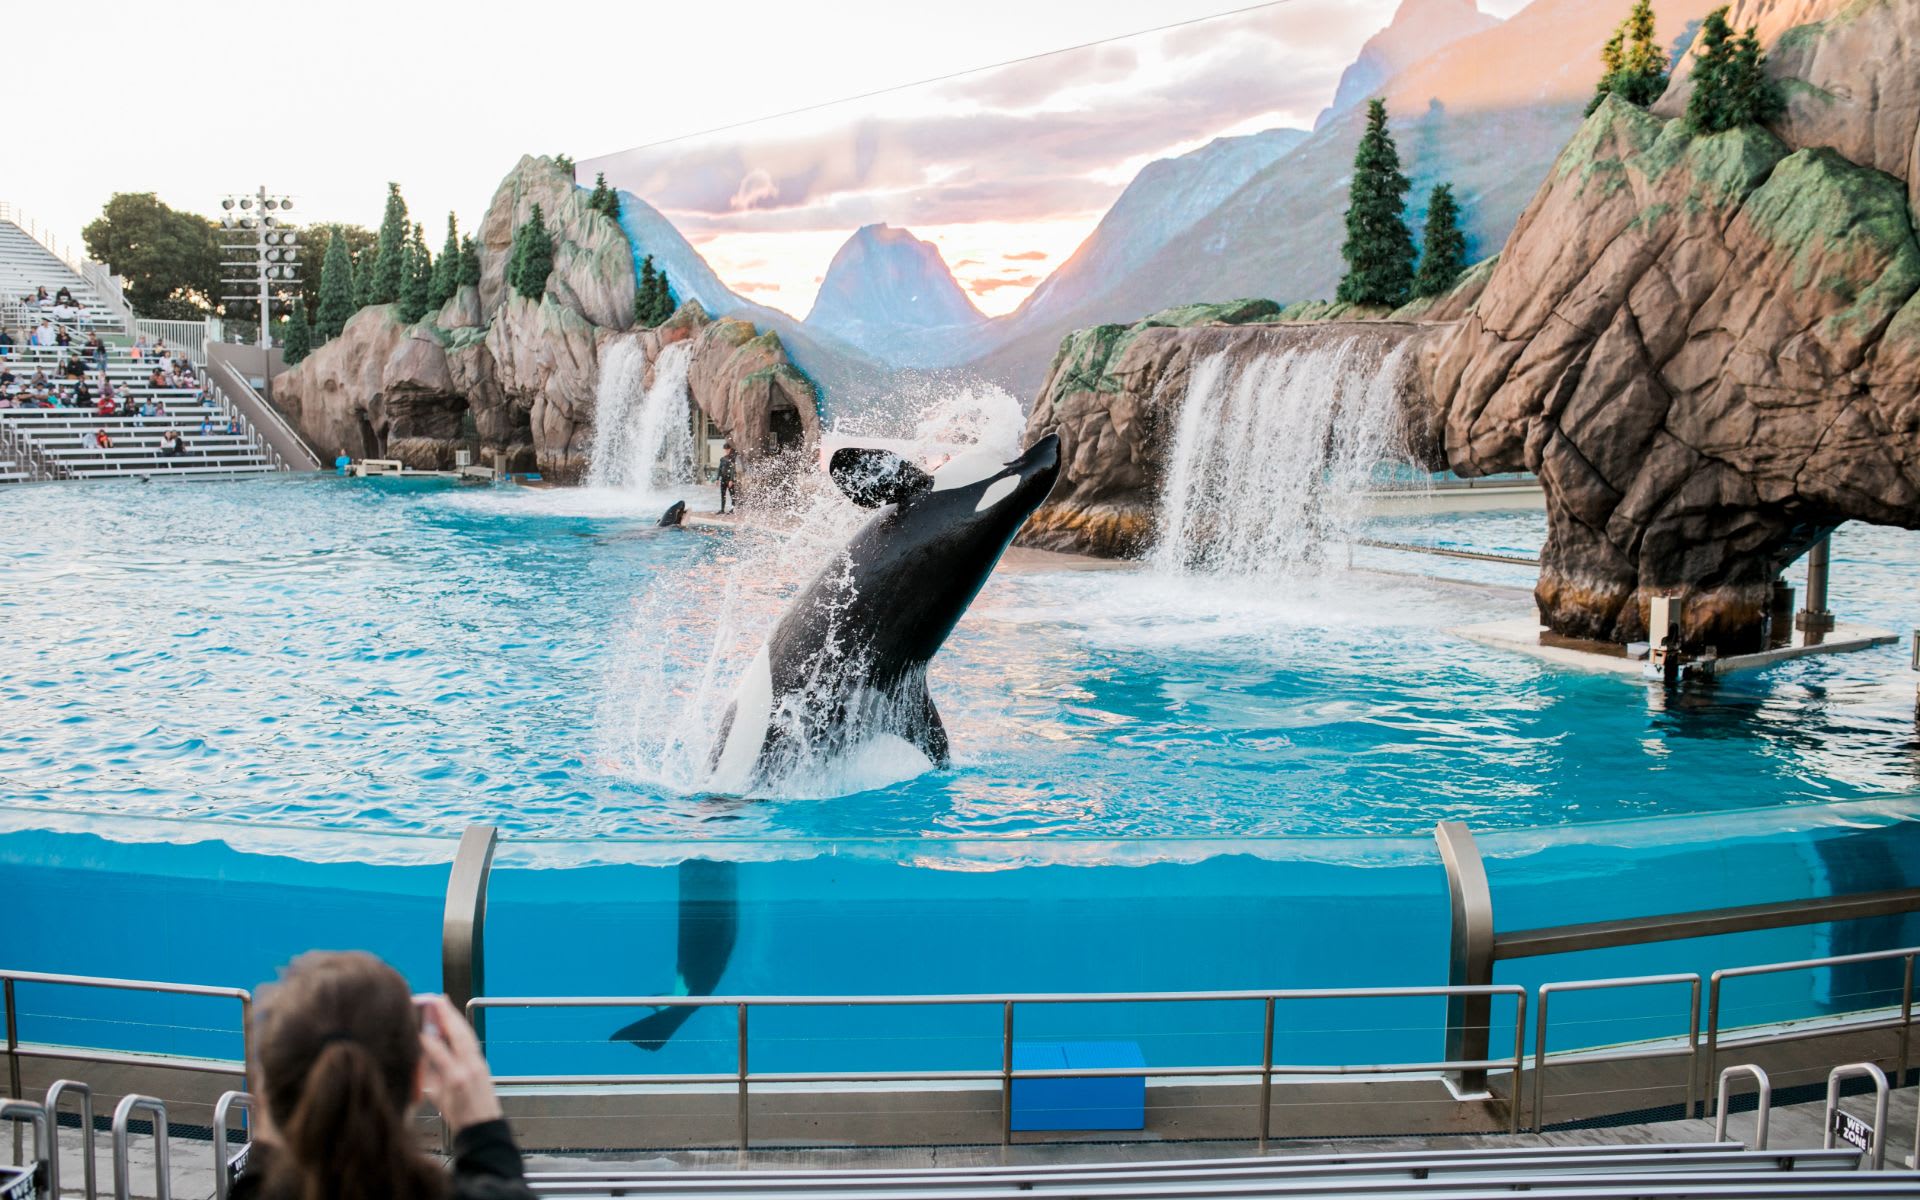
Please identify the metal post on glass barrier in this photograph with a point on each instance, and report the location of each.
(1006, 1076)
(1470, 955)
(463, 929)
(1266, 1077)
(746, 1129)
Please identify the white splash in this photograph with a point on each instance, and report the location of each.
(644, 437)
(1273, 459)
(694, 633)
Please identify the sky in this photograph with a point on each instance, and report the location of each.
(346, 96)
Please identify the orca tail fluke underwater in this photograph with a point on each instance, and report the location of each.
(708, 922)
(653, 1032)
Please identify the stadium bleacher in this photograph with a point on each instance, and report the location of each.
(60, 442)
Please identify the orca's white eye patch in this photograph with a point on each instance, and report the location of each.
(997, 491)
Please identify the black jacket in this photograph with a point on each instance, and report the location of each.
(486, 1166)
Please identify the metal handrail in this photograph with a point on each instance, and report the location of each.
(1763, 1103)
(55, 1094)
(1904, 1023)
(223, 1157)
(1877, 1152)
(16, 1112)
(1593, 985)
(9, 978)
(743, 1077)
(156, 1109)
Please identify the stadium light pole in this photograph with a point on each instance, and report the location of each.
(264, 250)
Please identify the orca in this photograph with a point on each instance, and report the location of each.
(848, 659)
(675, 515)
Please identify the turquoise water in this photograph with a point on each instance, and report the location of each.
(262, 711)
(414, 658)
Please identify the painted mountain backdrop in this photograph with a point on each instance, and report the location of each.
(1477, 102)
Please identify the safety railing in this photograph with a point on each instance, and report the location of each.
(16, 1049)
(1869, 1140)
(60, 1090)
(1548, 990)
(1762, 1103)
(1475, 946)
(743, 1077)
(156, 1110)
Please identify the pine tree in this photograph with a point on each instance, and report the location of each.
(604, 199)
(1730, 84)
(469, 273)
(532, 257)
(336, 289)
(416, 277)
(1613, 56)
(643, 295)
(365, 265)
(389, 264)
(663, 303)
(1634, 65)
(1445, 252)
(1378, 250)
(446, 269)
(296, 342)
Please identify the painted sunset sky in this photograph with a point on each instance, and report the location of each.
(1006, 170)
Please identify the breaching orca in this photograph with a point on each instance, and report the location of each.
(849, 657)
(675, 514)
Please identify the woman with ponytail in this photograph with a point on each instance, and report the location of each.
(342, 1056)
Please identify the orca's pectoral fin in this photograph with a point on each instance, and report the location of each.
(871, 478)
(653, 1032)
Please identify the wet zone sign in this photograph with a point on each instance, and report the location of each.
(1853, 1131)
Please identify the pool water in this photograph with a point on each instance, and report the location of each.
(282, 700)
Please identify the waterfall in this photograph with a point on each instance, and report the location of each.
(1273, 457)
(643, 439)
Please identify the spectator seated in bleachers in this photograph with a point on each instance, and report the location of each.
(6, 342)
(61, 337)
(140, 348)
(97, 349)
(341, 1057)
(102, 440)
(43, 333)
(172, 444)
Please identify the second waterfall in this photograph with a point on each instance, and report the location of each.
(1273, 457)
(643, 438)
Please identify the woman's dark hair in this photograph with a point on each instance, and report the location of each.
(336, 1045)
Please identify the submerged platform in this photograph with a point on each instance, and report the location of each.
(1527, 636)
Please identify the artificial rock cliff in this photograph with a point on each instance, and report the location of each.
(509, 376)
(1707, 347)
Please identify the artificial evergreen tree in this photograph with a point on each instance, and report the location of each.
(446, 269)
(663, 304)
(1633, 66)
(532, 257)
(336, 289)
(296, 341)
(389, 273)
(416, 277)
(604, 199)
(1730, 84)
(469, 273)
(643, 295)
(1445, 252)
(1378, 249)
(364, 266)
(1613, 56)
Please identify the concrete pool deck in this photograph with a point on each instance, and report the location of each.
(1527, 636)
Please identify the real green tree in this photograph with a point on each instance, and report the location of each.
(446, 268)
(532, 256)
(315, 242)
(1379, 249)
(1444, 253)
(1633, 65)
(469, 273)
(417, 277)
(390, 260)
(296, 339)
(170, 259)
(336, 288)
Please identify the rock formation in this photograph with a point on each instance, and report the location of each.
(513, 377)
(1707, 347)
